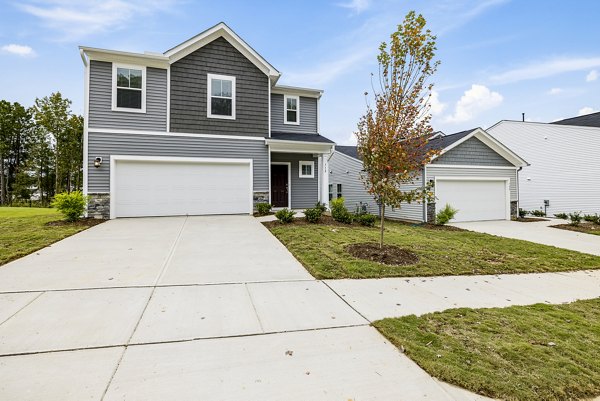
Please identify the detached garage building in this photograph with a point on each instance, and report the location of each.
(474, 173)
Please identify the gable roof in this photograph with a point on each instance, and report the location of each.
(449, 142)
(588, 120)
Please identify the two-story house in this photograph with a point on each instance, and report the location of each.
(202, 128)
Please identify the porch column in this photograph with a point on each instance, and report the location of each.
(324, 168)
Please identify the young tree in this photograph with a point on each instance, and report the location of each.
(393, 135)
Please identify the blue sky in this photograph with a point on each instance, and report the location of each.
(499, 57)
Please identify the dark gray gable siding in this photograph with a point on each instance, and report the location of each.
(104, 145)
(189, 97)
(305, 191)
(308, 115)
(472, 152)
(100, 111)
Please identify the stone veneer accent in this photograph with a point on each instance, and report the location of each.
(261, 197)
(514, 209)
(98, 205)
(431, 212)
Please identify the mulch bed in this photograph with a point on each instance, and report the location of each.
(586, 228)
(389, 255)
(529, 219)
(429, 226)
(88, 222)
(301, 221)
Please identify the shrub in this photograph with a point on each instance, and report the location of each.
(71, 205)
(538, 213)
(575, 218)
(445, 215)
(263, 208)
(592, 218)
(313, 215)
(285, 216)
(321, 206)
(339, 211)
(523, 213)
(366, 219)
(561, 216)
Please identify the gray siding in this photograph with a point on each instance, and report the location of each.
(100, 111)
(472, 152)
(189, 92)
(104, 145)
(305, 191)
(346, 171)
(433, 171)
(308, 115)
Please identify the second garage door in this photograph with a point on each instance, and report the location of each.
(173, 187)
(476, 199)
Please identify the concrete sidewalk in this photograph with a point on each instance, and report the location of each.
(538, 232)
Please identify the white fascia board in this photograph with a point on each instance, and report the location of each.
(222, 30)
(298, 147)
(297, 91)
(115, 56)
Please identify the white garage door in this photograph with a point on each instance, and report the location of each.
(475, 199)
(169, 187)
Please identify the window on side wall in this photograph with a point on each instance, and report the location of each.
(330, 191)
(307, 169)
(221, 96)
(339, 190)
(129, 88)
(292, 110)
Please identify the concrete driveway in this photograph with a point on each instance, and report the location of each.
(539, 232)
(189, 308)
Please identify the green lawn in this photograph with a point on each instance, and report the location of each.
(320, 248)
(23, 230)
(538, 352)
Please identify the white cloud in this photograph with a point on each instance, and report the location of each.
(586, 110)
(546, 69)
(357, 6)
(79, 19)
(554, 91)
(18, 50)
(474, 101)
(436, 107)
(591, 76)
(351, 141)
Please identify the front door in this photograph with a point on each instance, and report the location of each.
(279, 185)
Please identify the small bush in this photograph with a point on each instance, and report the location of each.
(366, 219)
(561, 216)
(445, 215)
(313, 215)
(321, 206)
(339, 211)
(592, 218)
(263, 208)
(538, 213)
(575, 218)
(523, 213)
(71, 205)
(285, 216)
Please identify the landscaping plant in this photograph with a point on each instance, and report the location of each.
(263, 208)
(392, 136)
(71, 205)
(366, 219)
(592, 218)
(285, 216)
(561, 216)
(321, 206)
(522, 213)
(538, 213)
(575, 218)
(339, 211)
(445, 215)
(313, 215)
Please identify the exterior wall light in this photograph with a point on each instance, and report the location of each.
(97, 162)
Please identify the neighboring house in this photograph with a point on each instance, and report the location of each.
(474, 173)
(202, 128)
(565, 166)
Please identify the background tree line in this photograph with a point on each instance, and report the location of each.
(41, 150)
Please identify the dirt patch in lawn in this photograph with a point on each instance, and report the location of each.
(89, 222)
(529, 219)
(586, 228)
(388, 255)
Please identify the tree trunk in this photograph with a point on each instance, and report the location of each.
(382, 220)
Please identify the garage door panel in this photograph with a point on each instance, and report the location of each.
(474, 199)
(157, 188)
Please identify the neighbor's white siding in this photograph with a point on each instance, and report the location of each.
(564, 164)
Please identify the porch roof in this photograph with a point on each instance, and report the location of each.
(288, 136)
(299, 143)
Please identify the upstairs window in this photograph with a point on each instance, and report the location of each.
(221, 96)
(129, 88)
(292, 110)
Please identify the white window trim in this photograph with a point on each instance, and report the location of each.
(285, 120)
(306, 163)
(114, 88)
(209, 78)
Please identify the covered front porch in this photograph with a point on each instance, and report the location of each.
(298, 170)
